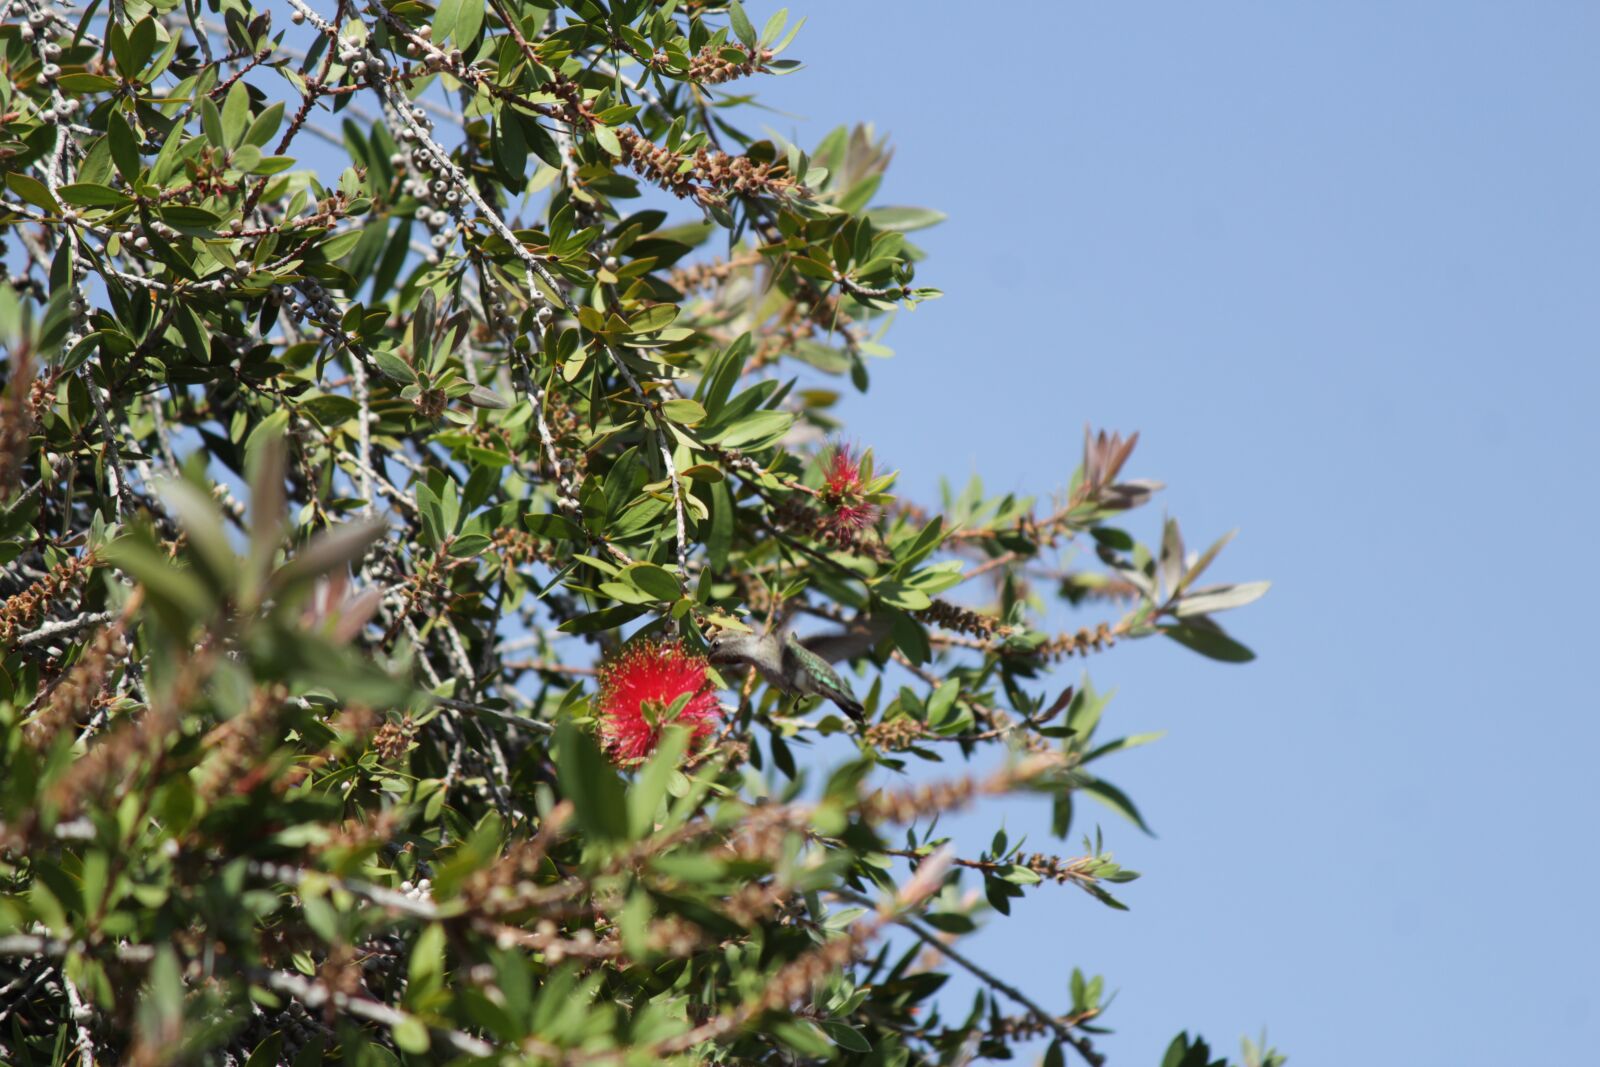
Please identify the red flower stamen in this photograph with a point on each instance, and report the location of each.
(846, 509)
(637, 690)
(846, 520)
(842, 472)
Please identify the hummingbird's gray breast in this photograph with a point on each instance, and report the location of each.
(773, 673)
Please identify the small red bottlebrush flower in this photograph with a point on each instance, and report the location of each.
(846, 511)
(841, 471)
(639, 689)
(844, 521)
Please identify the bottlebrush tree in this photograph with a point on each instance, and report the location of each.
(400, 402)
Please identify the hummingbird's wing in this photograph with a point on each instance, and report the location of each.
(854, 640)
(822, 678)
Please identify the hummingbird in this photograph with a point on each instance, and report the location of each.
(788, 665)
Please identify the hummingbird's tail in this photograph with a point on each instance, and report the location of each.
(851, 707)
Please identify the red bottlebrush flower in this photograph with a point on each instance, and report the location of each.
(638, 689)
(846, 511)
(841, 472)
(844, 521)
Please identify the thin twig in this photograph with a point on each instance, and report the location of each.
(64, 626)
(80, 1014)
(504, 716)
(1077, 1041)
(315, 994)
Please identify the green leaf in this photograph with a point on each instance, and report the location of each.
(265, 433)
(1205, 560)
(846, 1036)
(458, 20)
(756, 431)
(1220, 598)
(338, 246)
(608, 140)
(1205, 637)
(723, 375)
(901, 595)
(683, 411)
(162, 1007)
(425, 970)
(264, 125)
(275, 165)
(269, 1053)
(484, 397)
(905, 219)
(742, 26)
(1017, 874)
(344, 544)
(468, 545)
(804, 1037)
(148, 566)
(598, 798)
(89, 194)
(774, 26)
(1115, 799)
(658, 582)
(1124, 743)
(141, 45)
(604, 619)
(410, 1035)
(33, 191)
(393, 366)
(246, 157)
(201, 521)
(651, 785)
(552, 527)
(656, 317)
(85, 83)
(124, 145)
(950, 922)
(211, 123)
(235, 113)
(330, 409)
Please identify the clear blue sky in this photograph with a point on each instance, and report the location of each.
(1338, 263)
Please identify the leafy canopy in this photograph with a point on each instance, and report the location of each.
(398, 399)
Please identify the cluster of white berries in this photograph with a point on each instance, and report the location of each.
(425, 181)
(61, 111)
(362, 61)
(433, 55)
(35, 29)
(140, 241)
(312, 300)
(80, 311)
(38, 20)
(501, 318)
(499, 315)
(420, 890)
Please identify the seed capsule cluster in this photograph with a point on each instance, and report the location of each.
(38, 29)
(424, 179)
(307, 299)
